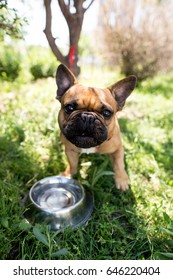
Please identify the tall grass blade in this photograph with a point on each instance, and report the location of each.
(40, 236)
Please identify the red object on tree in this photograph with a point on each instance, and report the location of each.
(71, 56)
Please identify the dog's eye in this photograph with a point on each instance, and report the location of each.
(69, 108)
(107, 114)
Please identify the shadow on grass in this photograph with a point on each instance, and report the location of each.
(17, 170)
(114, 231)
(57, 160)
(16, 165)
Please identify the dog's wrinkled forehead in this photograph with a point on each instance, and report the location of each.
(89, 98)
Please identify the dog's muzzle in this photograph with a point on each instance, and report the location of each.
(85, 130)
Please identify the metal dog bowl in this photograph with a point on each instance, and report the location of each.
(58, 202)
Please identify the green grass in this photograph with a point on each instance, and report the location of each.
(137, 224)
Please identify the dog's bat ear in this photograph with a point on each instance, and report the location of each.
(64, 80)
(122, 89)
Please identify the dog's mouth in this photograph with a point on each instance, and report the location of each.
(85, 130)
(85, 141)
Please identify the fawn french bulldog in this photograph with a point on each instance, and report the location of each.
(88, 121)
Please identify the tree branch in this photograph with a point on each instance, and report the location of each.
(48, 32)
(65, 9)
(79, 7)
(88, 6)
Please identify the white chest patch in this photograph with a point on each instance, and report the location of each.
(88, 151)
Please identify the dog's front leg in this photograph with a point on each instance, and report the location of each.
(73, 158)
(121, 177)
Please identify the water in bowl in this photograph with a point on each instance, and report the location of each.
(55, 198)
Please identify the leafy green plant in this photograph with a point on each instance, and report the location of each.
(11, 23)
(48, 240)
(39, 71)
(168, 232)
(42, 63)
(10, 63)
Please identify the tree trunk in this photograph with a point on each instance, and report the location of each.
(74, 21)
(75, 27)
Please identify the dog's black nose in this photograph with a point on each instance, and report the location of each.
(87, 118)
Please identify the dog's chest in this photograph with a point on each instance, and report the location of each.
(88, 151)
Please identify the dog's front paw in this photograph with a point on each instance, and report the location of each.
(69, 171)
(66, 172)
(122, 183)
